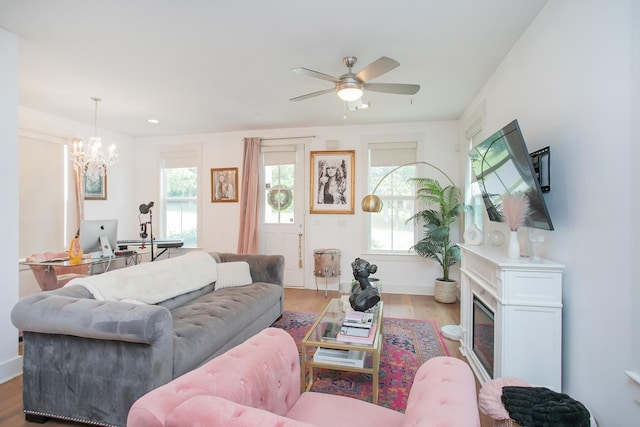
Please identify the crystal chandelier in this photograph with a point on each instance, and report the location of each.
(91, 159)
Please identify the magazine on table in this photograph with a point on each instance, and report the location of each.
(357, 335)
(358, 319)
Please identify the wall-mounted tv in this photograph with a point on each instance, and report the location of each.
(502, 164)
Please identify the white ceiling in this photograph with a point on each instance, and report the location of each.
(206, 66)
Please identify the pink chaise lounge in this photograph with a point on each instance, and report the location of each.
(257, 383)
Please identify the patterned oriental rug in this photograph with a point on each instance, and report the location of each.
(407, 345)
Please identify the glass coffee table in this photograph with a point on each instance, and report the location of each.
(341, 355)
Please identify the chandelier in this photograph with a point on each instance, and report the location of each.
(91, 159)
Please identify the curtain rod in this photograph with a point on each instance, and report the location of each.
(288, 137)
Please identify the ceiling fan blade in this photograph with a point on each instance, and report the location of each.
(397, 88)
(377, 68)
(316, 74)
(312, 94)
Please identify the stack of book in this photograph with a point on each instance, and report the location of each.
(358, 327)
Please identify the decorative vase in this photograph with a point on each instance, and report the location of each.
(75, 251)
(446, 292)
(473, 235)
(513, 249)
(496, 238)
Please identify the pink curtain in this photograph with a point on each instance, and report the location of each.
(78, 180)
(250, 201)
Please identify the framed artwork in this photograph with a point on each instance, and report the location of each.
(95, 187)
(224, 185)
(332, 182)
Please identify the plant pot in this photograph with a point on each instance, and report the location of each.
(446, 291)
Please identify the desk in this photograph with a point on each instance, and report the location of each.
(91, 262)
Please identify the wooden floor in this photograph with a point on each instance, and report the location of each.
(403, 306)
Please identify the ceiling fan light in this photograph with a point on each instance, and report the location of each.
(350, 92)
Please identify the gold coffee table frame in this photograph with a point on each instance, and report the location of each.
(332, 315)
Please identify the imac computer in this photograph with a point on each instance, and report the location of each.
(99, 237)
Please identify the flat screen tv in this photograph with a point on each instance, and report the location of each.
(502, 165)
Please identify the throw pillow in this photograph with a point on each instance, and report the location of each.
(234, 273)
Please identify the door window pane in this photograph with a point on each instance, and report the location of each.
(279, 194)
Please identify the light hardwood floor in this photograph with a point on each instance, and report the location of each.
(402, 306)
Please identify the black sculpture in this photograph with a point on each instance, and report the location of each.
(365, 296)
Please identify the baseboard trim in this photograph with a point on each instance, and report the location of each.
(386, 288)
(10, 369)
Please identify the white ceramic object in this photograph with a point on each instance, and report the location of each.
(473, 235)
(513, 250)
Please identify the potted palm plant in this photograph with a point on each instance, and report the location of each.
(442, 208)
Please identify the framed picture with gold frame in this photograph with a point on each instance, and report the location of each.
(332, 182)
(224, 185)
(95, 187)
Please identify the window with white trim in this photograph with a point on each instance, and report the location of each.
(180, 201)
(279, 174)
(389, 230)
(473, 203)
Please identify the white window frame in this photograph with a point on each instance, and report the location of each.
(404, 144)
(276, 155)
(473, 136)
(45, 176)
(176, 157)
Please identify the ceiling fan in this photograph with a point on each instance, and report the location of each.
(350, 86)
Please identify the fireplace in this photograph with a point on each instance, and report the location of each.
(511, 316)
(483, 334)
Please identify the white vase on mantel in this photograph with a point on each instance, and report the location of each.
(513, 247)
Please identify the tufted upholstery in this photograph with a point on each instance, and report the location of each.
(78, 350)
(263, 373)
(443, 395)
(258, 384)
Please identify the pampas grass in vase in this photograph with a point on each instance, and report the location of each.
(515, 208)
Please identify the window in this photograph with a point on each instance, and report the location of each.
(389, 230)
(279, 194)
(279, 174)
(43, 194)
(180, 197)
(474, 206)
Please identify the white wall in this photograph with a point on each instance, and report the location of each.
(635, 176)
(10, 362)
(568, 82)
(120, 203)
(407, 273)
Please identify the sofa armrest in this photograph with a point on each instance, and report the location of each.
(443, 393)
(263, 372)
(50, 313)
(212, 411)
(264, 268)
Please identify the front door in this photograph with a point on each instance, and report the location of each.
(283, 208)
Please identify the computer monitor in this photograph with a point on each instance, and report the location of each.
(99, 237)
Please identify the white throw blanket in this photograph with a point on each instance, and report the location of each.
(153, 282)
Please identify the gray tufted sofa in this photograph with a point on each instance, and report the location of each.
(88, 360)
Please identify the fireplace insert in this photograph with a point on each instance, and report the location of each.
(483, 334)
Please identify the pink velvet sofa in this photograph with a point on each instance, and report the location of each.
(257, 384)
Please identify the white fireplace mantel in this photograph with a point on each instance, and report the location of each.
(526, 298)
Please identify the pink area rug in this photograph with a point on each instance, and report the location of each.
(407, 345)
